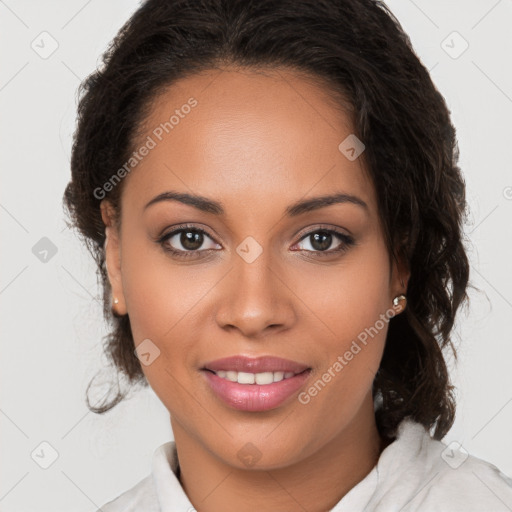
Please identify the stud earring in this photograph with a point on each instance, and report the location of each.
(398, 298)
(116, 300)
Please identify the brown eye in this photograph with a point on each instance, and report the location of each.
(322, 240)
(191, 240)
(186, 242)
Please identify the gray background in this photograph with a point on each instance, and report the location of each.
(51, 318)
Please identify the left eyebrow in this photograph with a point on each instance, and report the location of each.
(210, 206)
(315, 203)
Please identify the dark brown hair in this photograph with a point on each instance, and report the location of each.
(360, 49)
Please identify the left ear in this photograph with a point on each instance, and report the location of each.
(399, 280)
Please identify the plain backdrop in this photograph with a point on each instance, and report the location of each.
(52, 320)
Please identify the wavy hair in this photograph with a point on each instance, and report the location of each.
(359, 49)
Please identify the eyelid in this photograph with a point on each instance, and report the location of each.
(323, 227)
(180, 227)
(184, 227)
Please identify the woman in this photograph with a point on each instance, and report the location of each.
(270, 190)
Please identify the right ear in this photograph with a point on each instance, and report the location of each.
(113, 256)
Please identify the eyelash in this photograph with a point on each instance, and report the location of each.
(346, 241)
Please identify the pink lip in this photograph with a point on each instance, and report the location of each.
(255, 397)
(255, 365)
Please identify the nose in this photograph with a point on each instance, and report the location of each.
(255, 299)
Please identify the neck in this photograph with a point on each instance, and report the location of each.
(315, 483)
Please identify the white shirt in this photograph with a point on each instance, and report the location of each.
(413, 473)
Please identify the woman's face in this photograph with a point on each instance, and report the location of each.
(267, 277)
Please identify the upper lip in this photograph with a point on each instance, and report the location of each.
(262, 364)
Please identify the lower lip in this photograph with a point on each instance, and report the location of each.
(255, 397)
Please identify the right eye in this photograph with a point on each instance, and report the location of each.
(190, 238)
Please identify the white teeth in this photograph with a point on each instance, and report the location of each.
(254, 378)
(245, 378)
(232, 376)
(278, 376)
(263, 378)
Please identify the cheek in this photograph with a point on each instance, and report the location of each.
(163, 300)
(156, 294)
(350, 297)
(148, 305)
(350, 303)
(158, 306)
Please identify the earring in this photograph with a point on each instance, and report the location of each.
(116, 300)
(397, 300)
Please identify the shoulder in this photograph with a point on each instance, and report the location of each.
(435, 476)
(467, 483)
(141, 496)
(160, 490)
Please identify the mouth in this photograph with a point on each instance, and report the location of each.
(255, 384)
(256, 365)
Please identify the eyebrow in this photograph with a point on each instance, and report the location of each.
(302, 206)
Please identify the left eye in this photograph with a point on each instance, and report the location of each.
(321, 241)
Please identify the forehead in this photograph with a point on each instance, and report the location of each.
(271, 135)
